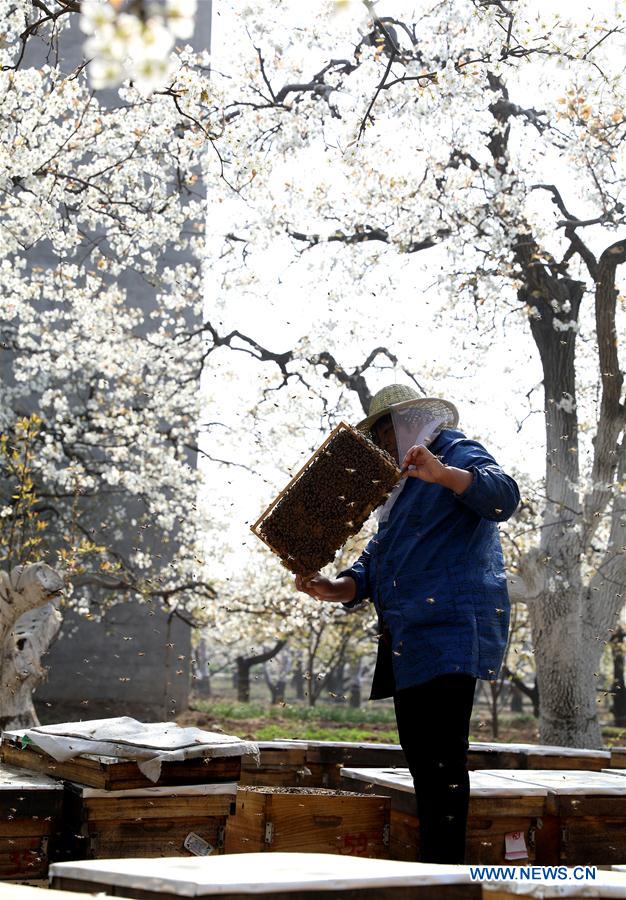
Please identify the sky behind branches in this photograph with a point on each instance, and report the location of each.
(401, 305)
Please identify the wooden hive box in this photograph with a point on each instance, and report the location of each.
(30, 811)
(618, 758)
(261, 876)
(113, 774)
(327, 500)
(312, 819)
(156, 821)
(325, 759)
(281, 764)
(496, 810)
(585, 821)
(534, 756)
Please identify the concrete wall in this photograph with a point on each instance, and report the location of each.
(127, 664)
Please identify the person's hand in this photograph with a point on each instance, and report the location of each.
(425, 465)
(317, 586)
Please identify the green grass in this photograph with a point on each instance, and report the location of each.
(230, 709)
(613, 736)
(292, 731)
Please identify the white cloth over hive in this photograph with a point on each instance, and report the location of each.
(149, 744)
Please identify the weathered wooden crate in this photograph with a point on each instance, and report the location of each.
(497, 808)
(534, 756)
(327, 500)
(281, 764)
(618, 758)
(113, 774)
(318, 763)
(313, 819)
(147, 822)
(325, 759)
(585, 819)
(30, 811)
(260, 876)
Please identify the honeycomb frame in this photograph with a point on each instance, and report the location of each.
(369, 492)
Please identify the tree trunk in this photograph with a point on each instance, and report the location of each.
(201, 674)
(22, 671)
(494, 693)
(618, 706)
(565, 654)
(355, 684)
(297, 680)
(245, 663)
(573, 615)
(517, 704)
(28, 624)
(243, 679)
(278, 685)
(335, 681)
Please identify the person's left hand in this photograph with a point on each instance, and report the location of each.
(426, 466)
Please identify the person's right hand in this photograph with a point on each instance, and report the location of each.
(317, 586)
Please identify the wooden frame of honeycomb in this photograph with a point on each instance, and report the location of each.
(327, 500)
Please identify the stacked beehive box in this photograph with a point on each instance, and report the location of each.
(162, 803)
(274, 819)
(149, 822)
(618, 758)
(30, 811)
(585, 818)
(503, 814)
(325, 759)
(280, 764)
(318, 763)
(534, 756)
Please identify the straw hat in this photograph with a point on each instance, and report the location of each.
(396, 397)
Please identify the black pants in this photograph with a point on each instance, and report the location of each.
(433, 724)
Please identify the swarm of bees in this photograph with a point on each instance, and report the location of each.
(328, 500)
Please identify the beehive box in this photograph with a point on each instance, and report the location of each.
(288, 876)
(311, 819)
(281, 764)
(325, 759)
(157, 821)
(113, 774)
(618, 758)
(534, 756)
(585, 821)
(327, 500)
(498, 807)
(30, 810)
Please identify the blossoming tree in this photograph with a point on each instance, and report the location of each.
(93, 197)
(489, 135)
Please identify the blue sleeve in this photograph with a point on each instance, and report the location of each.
(492, 493)
(359, 572)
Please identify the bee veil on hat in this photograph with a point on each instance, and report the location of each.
(416, 420)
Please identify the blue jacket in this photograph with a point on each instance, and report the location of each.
(435, 573)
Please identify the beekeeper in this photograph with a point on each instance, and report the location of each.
(435, 573)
